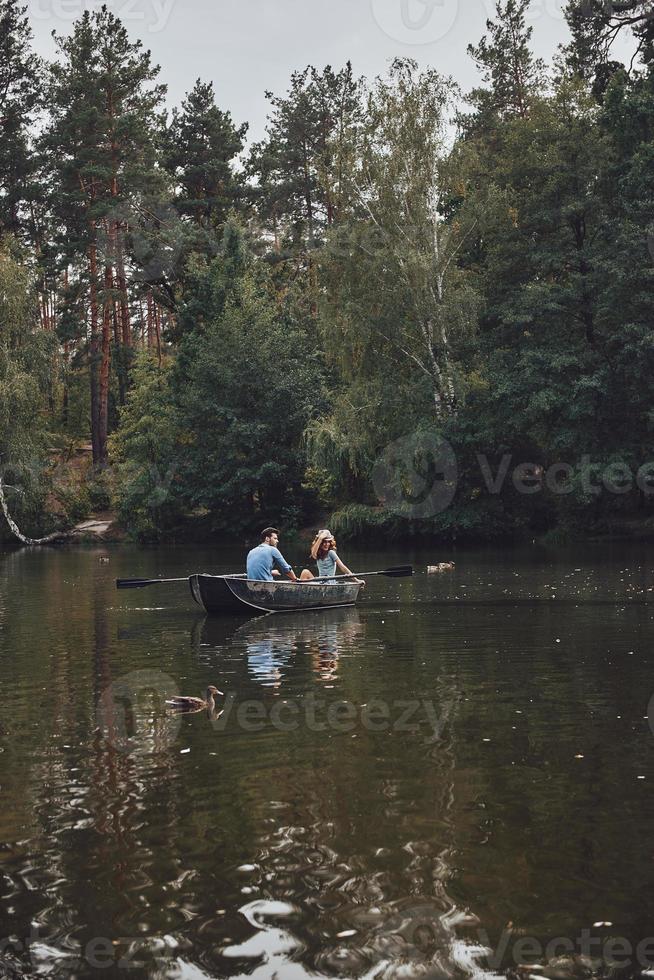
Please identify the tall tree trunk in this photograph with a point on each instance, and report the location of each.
(157, 321)
(125, 316)
(120, 356)
(94, 350)
(116, 229)
(307, 197)
(142, 333)
(103, 420)
(64, 400)
(150, 321)
(278, 243)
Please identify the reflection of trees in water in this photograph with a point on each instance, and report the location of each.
(353, 837)
(42, 794)
(350, 847)
(346, 873)
(80, 866)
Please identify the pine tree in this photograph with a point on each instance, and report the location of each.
(201, 147)
(302, 167)
(595, 25)
(511, 73)
(102, 141)
(19, 101)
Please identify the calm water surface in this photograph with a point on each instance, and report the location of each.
(462, 762)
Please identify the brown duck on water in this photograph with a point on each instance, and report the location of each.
(196, 704)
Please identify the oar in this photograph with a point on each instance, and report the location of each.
(140, 583)
(400, 571)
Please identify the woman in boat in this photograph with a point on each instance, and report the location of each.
(323, 552)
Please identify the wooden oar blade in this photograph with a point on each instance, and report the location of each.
(400, 571)
(133, 583)
(140, 583)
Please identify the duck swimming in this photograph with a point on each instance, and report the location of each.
(196, 704)
(443, 566)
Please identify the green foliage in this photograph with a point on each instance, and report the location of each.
(462, 521)
(100, 495)
(25, 363)
(25, 377)
(144, 451)
(19, 99)
(513, 77)
(595, 25)
(242, 429)
(399, 314)
(371, 273)
(76, 502)
(201, 145)
(302, 167)
(359, 522)
(202, 437)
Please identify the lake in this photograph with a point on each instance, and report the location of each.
(452, 779)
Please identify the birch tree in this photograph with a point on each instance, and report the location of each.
(396, 290)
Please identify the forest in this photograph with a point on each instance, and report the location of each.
(206, 334)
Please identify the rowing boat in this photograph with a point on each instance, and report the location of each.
(229, 594)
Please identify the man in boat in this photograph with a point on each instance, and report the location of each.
(265, 560)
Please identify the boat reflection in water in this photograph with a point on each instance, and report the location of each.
(342, 883)
(273, 645)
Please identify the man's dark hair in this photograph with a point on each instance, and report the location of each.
(268, 532)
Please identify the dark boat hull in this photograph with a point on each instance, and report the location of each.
(234, 594)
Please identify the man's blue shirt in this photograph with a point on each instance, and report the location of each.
(262, 560)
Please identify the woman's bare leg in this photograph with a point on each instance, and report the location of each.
(306, 576)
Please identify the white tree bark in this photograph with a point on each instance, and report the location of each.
(16, 530)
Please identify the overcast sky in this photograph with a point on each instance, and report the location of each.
(248, 46)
